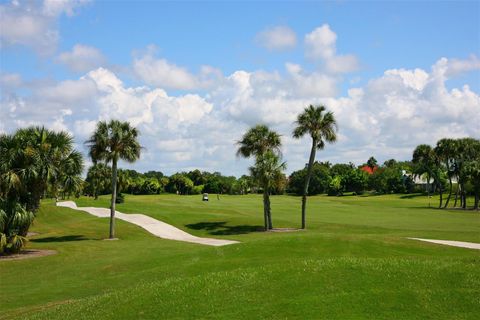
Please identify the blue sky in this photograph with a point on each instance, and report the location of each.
(209, 70)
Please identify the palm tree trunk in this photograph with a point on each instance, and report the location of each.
(441, 196)
(477, 198)
(456, 194)
(307, 180)
(269, 212)
(450, 192)
(114, 199)
(265, 212)
(428, 189)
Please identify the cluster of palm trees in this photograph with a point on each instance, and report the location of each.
(33, 161)
(453, 160)
(264, 145)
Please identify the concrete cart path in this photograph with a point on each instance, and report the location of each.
(154, 226)
(460, 244)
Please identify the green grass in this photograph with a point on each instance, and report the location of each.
(353, 262)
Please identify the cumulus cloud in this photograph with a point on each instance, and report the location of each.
(320, 45)
(386, 118)
(161, 73)
(82, 58)
(277, 38)
(34, 24)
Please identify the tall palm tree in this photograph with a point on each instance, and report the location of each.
(322, 127)
(266, 171)
(111, 142)
(263, 144)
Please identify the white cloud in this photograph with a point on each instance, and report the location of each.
(386, 118)
(82, 58)
(320, 45)
(457, 66)
(277, 38)
(57, 7)
(161, 73)
(34, 24)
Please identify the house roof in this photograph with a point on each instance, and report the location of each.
(369, 170)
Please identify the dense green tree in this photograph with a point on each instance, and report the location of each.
(341, 169)
(111, 142)
(33, 161)
(319, 182)
(180, 183)
(355, 180)
(99, 180)
(321, 126)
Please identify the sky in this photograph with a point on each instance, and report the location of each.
(194, 76)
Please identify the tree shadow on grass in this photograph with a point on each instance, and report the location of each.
(61, 239)
(220, 228)
(414, 195)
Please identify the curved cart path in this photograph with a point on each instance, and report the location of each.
(154, 226)
(461, 244)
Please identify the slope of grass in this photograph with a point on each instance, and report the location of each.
(353, 262)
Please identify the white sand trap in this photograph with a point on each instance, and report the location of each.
(460, 244)
(157, 228)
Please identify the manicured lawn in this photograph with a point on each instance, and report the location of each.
(352, 263)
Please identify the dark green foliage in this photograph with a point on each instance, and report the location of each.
(179, 183)
(341, 169)
(15, 221)
(355, 180)
(33, 162)
(319, 182)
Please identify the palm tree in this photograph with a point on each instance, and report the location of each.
(111, 142)
(446, 151)
(266, 171)
(467, 154)
(32, 160)
(322, 127)
(424, 162)
(264, 145)
(258, 140)
(372, 163)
